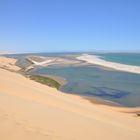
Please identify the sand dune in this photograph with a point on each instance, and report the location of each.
(31, 111)
(93, 59)
(2, 53)
(8, 63)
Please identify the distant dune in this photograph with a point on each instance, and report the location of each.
(32, 111)
(7, 53)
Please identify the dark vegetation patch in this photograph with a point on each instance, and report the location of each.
(46, 81)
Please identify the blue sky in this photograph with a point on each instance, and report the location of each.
(69, 25)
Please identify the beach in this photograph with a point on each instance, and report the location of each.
(93, 59)
(33, 111)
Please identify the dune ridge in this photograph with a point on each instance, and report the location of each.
(32, 111)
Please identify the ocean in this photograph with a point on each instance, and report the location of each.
(120, 87)
(123, 58)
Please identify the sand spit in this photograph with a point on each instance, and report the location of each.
(32, 111)
(92, 59)
(46, 61)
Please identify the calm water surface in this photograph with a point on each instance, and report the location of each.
(119, 87)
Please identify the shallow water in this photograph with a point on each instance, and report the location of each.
(119, 87)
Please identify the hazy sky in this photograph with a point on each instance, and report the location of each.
(69, 25)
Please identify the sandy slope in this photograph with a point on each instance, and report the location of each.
(8, 63)
(31, 111)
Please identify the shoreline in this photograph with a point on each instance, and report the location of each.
(62, 81)
(104, 102)
(92, 99)
(58, 79)
(96, 60)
